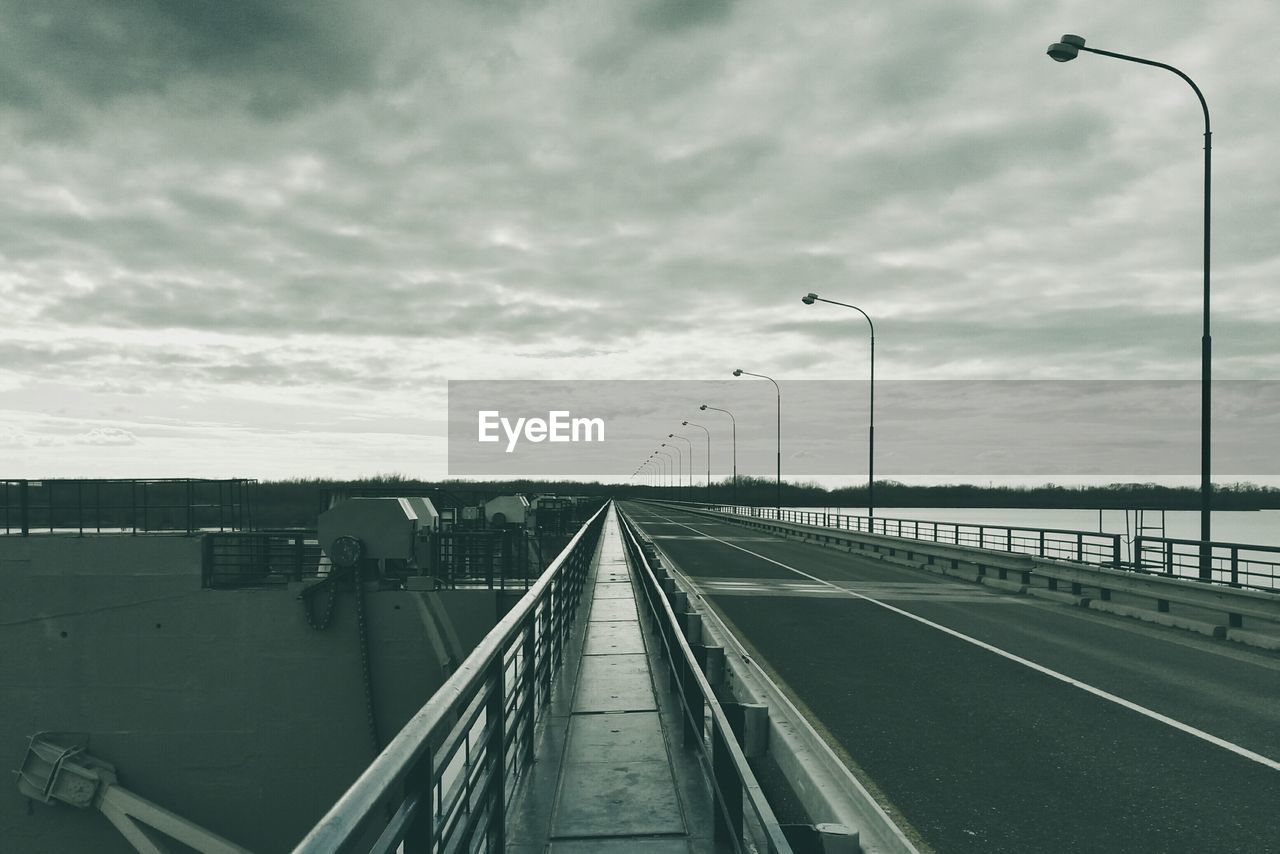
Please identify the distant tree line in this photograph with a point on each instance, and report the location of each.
(296, 503)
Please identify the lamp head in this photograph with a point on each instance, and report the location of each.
(702, 408)
(808, 299)
(1067, 49)
(671, 435)
(738, 372)
(684, 423)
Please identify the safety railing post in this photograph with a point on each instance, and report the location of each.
(728, 814)
(1115, 552)
(419, 837)
(529, 689)
(24, 507)
(496, 755)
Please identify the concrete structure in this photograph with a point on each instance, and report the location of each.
(220, 705)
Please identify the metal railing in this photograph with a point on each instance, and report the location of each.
(130, 506)
(1237, 564)
(507, 559)
(706, 726)
(1242, 565)
(444, 782)
(254, 558)
(1091, 547)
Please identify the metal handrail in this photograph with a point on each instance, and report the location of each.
(706, 725)
(1234, 564)
(1092, 547)
(468, 742)
(125, 505)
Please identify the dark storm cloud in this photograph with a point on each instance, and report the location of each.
(277, 54)
(678, 15)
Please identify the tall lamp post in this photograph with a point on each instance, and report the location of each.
(708, 432)
(810, 299)
(734, 422)
(1065, 51)
(671, 464)
(679, 463)
(689, 471)
(778, 477)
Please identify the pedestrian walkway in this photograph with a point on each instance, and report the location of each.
(608, 777)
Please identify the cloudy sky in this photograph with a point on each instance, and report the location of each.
(259, 238)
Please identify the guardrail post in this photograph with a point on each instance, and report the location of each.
(1235, 567)
(1079, 547)
(692, 625)
(24, 507)
(1115, 551)
(728, 821)
(1168, 558)
(1137, 554)
(693, 704)
(714, 665)
(530, 690)
(496, 756)
(418, 836)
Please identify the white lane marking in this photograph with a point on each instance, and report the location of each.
(1040, 668)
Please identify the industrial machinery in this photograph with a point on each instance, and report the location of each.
(57, 770)
(399, 533)
(507, 510)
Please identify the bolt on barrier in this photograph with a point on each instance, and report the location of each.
(444, 782)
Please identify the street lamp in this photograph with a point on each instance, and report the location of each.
(708, 432)
(679, 463)
(1065, 51)
(810, 299)
(734, 422)
(670, 464)
(689, 471)
(777, 477)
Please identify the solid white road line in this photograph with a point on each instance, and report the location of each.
(1040, 668)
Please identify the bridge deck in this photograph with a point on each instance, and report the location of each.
(992, 722)
(608, 776)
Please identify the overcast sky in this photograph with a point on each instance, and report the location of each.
(258, 238)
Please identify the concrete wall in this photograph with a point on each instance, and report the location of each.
(221, 705)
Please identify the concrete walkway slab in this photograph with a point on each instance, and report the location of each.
(607, 610)
(617, 638)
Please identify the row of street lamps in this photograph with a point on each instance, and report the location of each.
(808, 299)
(1062, 51)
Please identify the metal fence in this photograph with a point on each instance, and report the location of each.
(1236, 564)
(1091, 547)
(256, 558)
(705, 724)
(445, 780)
(502, 559)
(130, 506)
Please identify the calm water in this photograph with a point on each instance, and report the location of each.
(1260, 527)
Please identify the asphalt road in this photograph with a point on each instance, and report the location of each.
(965, 737)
